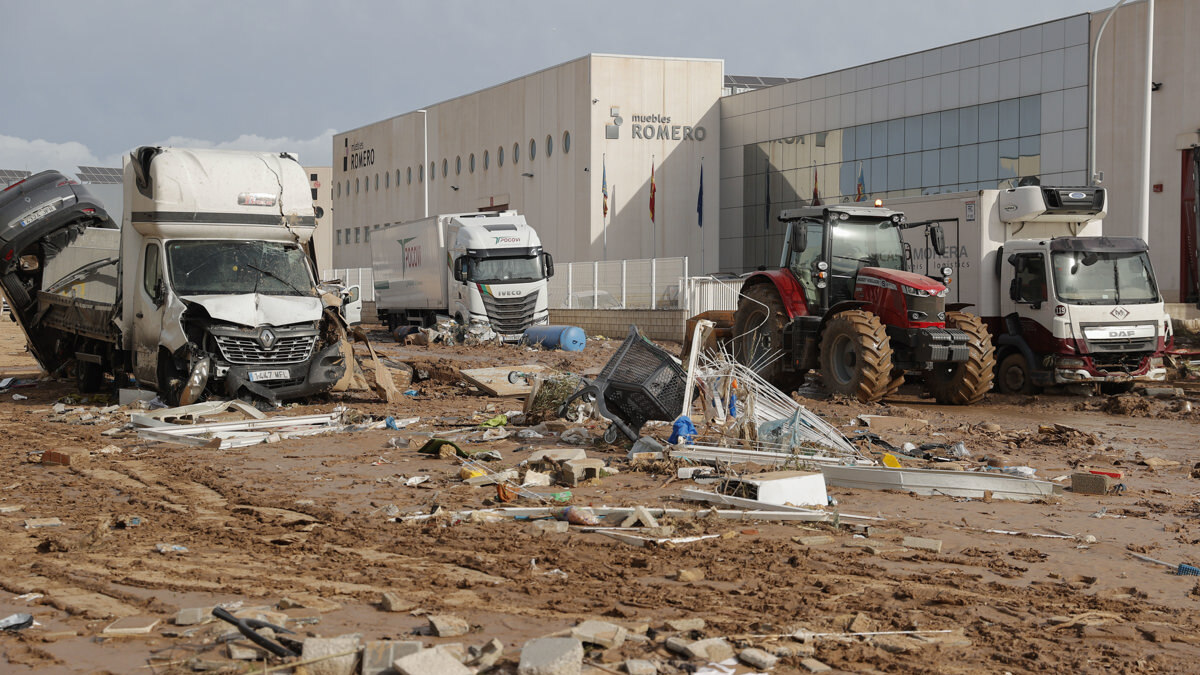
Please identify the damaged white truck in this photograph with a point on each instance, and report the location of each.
(206, 288)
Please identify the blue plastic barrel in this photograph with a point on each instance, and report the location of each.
(566, 338)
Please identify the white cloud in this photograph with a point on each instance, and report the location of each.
(317, 151)
(38, 155)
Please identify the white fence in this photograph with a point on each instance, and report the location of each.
(709, 293)
(653, 283)
(361, 276)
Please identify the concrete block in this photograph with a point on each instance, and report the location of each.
(712, 649)
(816, 540)
(600, 633)
(379, 655)
(551, 656)
(549, 459)
(640, 667)
(815, 666)
(394, 602)
(1091, 483)
(685, 625)
(486, 656)
(67, 456)
(430, 662)
(690, 574)
(446, 625)
(576, 471)
(190, 616)
(679, 645)
(757, 658)
(341, 665)
(640, 516)
(242, 653)
(923, 544)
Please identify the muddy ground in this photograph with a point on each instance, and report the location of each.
(304, 526)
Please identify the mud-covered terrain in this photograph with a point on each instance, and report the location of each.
(313, 528)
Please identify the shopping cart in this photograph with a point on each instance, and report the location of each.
(641, 382)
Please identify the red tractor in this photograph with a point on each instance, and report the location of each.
(845, 302)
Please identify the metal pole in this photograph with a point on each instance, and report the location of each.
(595, 284)
(425, 155)
(1144, 173)
(623, 270)
(653, 282)
(1092, 177)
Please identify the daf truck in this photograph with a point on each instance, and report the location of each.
(1065, 304)
(486, 267)
(204, 289)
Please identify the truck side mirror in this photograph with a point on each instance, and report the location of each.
(1017, 262)
(1014, 290)
(937, 237)
(459, 272)
(549, 263)
(799, 237)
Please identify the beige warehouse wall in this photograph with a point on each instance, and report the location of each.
(1175, 111)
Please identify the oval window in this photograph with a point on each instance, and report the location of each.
(458, 165)
(471, 163)
(532, 150)
(432, 171)
(500, 156)
(421, 173)
(445, 168)
(356, 185)
(516, 153)
(549, 145)
(410, 175)
(486, 159)
(566, 142)
(339, 189)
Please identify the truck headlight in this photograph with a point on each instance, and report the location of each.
(1069, 362)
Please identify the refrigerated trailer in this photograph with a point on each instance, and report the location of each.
(1065, 304)
(486, 267)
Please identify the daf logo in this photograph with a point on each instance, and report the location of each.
(1077, 195)
(1119, 312)
(1120, 333)
(266, 338)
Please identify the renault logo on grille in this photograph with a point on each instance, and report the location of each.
(266, 338)
(1119, 312)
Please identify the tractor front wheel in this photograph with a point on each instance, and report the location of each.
(856, 356)
(966, 382)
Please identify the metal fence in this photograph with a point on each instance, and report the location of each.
(654, 283)
(361, 276)
(708, 293)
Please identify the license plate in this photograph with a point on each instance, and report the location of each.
(36, 213)
(264, 375)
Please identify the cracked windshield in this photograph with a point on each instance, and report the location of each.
(234, 267)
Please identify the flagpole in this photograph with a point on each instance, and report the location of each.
(700, 215)
(653, 224)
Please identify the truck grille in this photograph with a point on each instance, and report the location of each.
(510, 315)
(247, 350)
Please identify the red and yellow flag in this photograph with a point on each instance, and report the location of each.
(652, 192)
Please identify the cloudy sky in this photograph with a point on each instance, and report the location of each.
(83, 82)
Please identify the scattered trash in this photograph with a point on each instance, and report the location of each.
(393, 423)
(16, 622)
(19, 397)
(415, 481)
(411, 392)
(1181, 569)
(170, 548)
(37, 523)
(579, 515)
(971, 484)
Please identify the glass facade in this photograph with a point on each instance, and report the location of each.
(975, 115)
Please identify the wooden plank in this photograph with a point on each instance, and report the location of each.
(494, 381)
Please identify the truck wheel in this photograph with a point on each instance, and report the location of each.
(16, 292)
(1012, 376)
(758, 335)
(856, 356)
(965, 383)
(89, 377)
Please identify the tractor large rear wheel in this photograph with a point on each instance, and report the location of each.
(758, 336)
(856, 356)
(965, 383)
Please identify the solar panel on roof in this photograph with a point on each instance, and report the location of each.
(10, 176)
(99, 174)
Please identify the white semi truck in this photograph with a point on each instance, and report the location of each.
(486, 267)
(1065, 304)
(204, 289)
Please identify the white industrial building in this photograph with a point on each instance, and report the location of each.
(982, 113)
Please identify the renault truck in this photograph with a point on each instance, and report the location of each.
(481, 268)
(1065, 304)
(204, 288)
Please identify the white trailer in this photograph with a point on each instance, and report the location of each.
(1065, 304)
(486, 267)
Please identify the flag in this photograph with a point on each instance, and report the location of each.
(816, 200)
(652, 191)
(860, 190)
(700, 199)
(604, 185)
